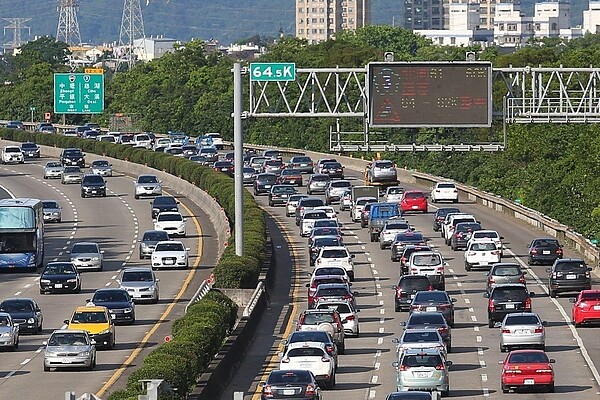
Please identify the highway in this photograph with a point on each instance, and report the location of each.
(365, 372)
(115, 222)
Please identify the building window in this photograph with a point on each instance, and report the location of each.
(300, 10)
(350, 10)
(351, 20)
(314, 10)
(321, 20)
(500, 27)
(511, 27)
(315, 31)
(322, 10)
(321, 31)
(452, 40)
(314, 21)
(301, 31)
(301, 21)
(538, 26)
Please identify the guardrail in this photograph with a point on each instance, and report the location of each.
(202, 291)
(260, 288)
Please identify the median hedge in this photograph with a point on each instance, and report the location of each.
(200, 333)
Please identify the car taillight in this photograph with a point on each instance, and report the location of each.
(496, 252)
(528, 304)
(310, 390)
(505, 330)
(268, 390)
(347, 297)
(350, 318)
(399, 293)
(491, 280)
(491, 305)
(403, 260)
(443, 329)
(430, 288)
(403, 367)
(538, 330)
(533, 251)
(544, 371)
(587, 274)
(414, 269)
(329, 349)
(439, 367)
(522, 279)
(471, 253)
(459, 235)
(582, 305)
(559, 251)
(325, 359)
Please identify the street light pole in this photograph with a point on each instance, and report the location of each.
(238, 149)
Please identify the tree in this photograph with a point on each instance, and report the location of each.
(45, 49)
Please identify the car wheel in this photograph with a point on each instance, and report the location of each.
(453, 247)
(45, 177)
(381, 246)
(46, 369)
(553, 294)
(467, 267)
(491, 323)
(503, 349)
(445, 393)
(504, 389)
(551, 388)
(373, 237)
(270, 204)
(342, 348)
(135, 196)
(42, 292)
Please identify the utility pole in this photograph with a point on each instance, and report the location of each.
(132, 28)
(68, 27)
(16, 24)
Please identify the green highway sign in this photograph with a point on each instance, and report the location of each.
(78, 93)
(272, 71)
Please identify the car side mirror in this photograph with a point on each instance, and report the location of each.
(589, 269)
(101, 251)
(119, 281)
(88, 300)
(531, 294)
(500, 362)
(395, 364)
(486, 295)
(402, 323)
(394, 287)
(307, 285)
(354, 255)
(157, 280)
(548, 270)
(395, 340)
(66, 321)
(572, 300)
(448, 363)
(501, 237)
(284, 342)
(453, 300)
(552, 361)
(187, 249)
(524, 272)
(45, 343)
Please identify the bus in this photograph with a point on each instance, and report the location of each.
(21, 234)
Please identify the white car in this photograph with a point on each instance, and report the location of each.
(330, 270)
(311, 356)
(171, 222)
(336, 256)
(481, 254)
(487, 234)
(12, 154)
(347, 311)
(393, 194)
(142, 140)
(101, 167)
(170, 254)
(329, 210)
(308, 220)
(292, 203)
(217, 140)
(450, 222)
(358, 206)
(161, 142)
(107, 138)
(522, 330)
(53, 169)
(428, 263)
(390, 229)
(444, 191)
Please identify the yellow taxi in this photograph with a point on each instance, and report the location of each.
(97, 321)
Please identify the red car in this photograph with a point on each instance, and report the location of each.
(290, 177)
(586, 307)
(527, 368)
(414, 200)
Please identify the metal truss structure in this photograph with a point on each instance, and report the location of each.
(68, 26)
(524, 95)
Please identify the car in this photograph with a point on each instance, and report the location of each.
(263, 183)
(444, 191)
(586, 307)
(319, 164)
(402, 240)
(256, 162)
(434, 301)
(568, 275)
(306, 204)
(324, 320)
(527, 369)
(93, 185)
(321, 280)
(346, 200)
(97, 322)
(149, 240)
(391, 228)
(327, 270)
(420, 339)
(12, 154)
(25, 312)
(107, 138)
(462, 233)
(216, 140)
(290, 177)
(544, 251)
(120, 305)
(414, 200)
(71, 174)
(407, 252)
(162, 204)
(140, 283)
(507, 299)
(30, 150)
(288, 383)
(272, 154)
(412, 395)
(356, 211)
(318, 242)
(92, 125)
(87, 255)
(313, 336)
(127, 139)
(15, 124)
(52, 211)
(210, 153)
(9, 332)
(488, 234)
(481, 254)
(382, 171)
(174, 149)
(224, 166)
(335, 170)
(430, 264)
(334, 291)
(53, 169)
(393, 194)
(308, 219)
(101, 167)
(171, 222)
(502, 273)
(91, 134)
(40, 127)
(450, 222)
(522, 330)
(423, 369)
(335, 189)
(170, 254)
(72, 157)
(147, 185)
(190, 150)
(313, 357)
(440, 214)
(338, 256)
(69, 349)
(161, 143)
(279, 194)
(303, 164)
(325, 227)
(317, 183)
(348, 312)
(60, 277)
(292, 203)
(248, 174)
(430, 320)
(273, 166)
(329, 211)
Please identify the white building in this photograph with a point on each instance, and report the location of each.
(591, 17)
(150, 48)
(464, 37)
(550, 17)
(511, 27)
(463, 16)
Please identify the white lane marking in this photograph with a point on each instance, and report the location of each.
(374, 379)
(467, 301)
(382, 320)
(455, 278)
(39, 350)
(381, 330)
(380, 302)
(379, 294)
(11, 373)
(18, 293)
(377, 365)
(372, 394)
(362, 247)
(380, 340)
(26, 361)
(486, 392)
(476, 328)
(458, 283)
(28, 285)
(479, 339)
(471, 309)
(113, 277)
(450, 270)
(375, 272)
(108, 284)
(484, 377)
(378, 285)
(480, 351)
(482, 363)
(369, 259)
(473, 318)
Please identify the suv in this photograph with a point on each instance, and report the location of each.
(502, 273)
(423, 369)
(390, 229)
(462, 234)
(407, 287)
(327, 320)
(382, 171)
(440, 215)
(450, 222)
(93, 185)
(481, 254)
(335, 189)
(568, 275)
(317, 183)
(428, 263)
(402, 240)
(357, 207)
(305, 204)
(72, 157)
(406, 253)
(338, 256)
(507, 299)
(544, 250)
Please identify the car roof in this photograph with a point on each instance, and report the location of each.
(335, 248)
(510, 285)
(316, 311)
(296, 345)
(426, 350)
(91, 309)
(69, 331)
(137, 269)
(86, 243)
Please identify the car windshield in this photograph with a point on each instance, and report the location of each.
(12, 149)
(315, 215)
(147, 179)
(93, 179)
(420, 337)
(309, 336)
(169, 217)
(425, 360)
(330, 271)
(165, 201)
(29, 146)
(100, 163)
(529, 357)
(521, 320)
(208, 150)
(290, 172)
(283, 189)
(137, 276)
(466, 227)
(306, 352)
(340, 184)
(335, 291)
(169, 247)
(109, 296)
(414, 284)
(432, 296)
(414, 195)
(334, 253)
(72, 153)
(270, 178)
(395, 190)
(4, 321)
(446, 186)
(490, 235)
(442, 212)
(279, 377)
(320, 178)
(302, 159)
(49, 204)
(90, 317)
(384, 164)
(397, 225)
(483, 246)
(155, 236)
(569, 266)
(411, 237)
(312, 203)
(546, 243)
(332, 165)
(70, 170)
(60, 269)
(53, 165)
(68, 339)
(316, 319)
(326, 223)
(426, 260)
(362, 202)
(16, 306)
(507, 271)
(84, 248)
(590, 296)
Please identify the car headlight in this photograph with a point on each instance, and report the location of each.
(72, 280)
(73, 259)
(44, 280)
(31, 321)
(5, 334)
(182, 257)
(104, 332)
(95, 258)
(55, 213)
(128, 310)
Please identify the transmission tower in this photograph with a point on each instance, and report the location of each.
(132, 28)
(16, 24)
(68, 27)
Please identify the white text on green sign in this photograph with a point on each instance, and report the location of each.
(272, 71)
(78, 93)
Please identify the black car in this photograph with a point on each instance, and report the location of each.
(462, 234)
(263, 183)
(279, 194)
(320, 242)
(402, 240)
(440, 215)
(280, 385)
(72, 157)
(120, 305)
(544, 251)
(25, 312)
(569, 275)
(162, 204)
(93, 185)
(30, 150)
(60, 277)
(333, 169)
(507, 299)
(431, 320)
(225, 167)
(407, 287)
(434, 300)
(305, 204)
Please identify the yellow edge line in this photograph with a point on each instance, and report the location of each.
(164, 315)
(290, 324)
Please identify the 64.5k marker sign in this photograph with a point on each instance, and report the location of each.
(78, 93)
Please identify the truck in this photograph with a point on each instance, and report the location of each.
(364, 191)
(382, 183)
(378, 215)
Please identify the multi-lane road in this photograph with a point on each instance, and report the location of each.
(365, 372)
(115, 222)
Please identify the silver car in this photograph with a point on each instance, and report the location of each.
(52, 211)
(149, 240)
(423, 369)
(348, 312)
(420, 339)
(140, 283)
(382, 171)
(87, 255)
(71, 174)
(101, 167)
(522, 330)
(53, 169)
(502, 273)
(9, 332)
(147, 185)
(335, 190)
(69, 349)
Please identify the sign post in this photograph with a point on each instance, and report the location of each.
(32, 109)
(273, 72)
(77, 93)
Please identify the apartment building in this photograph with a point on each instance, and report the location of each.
(591, 17)
(319, 20)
